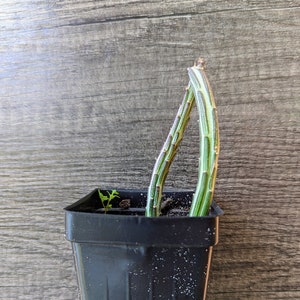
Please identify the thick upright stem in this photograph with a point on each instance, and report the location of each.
(209, 140)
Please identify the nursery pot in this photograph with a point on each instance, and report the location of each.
(123, 255)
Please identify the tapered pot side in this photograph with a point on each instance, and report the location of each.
(125, 255)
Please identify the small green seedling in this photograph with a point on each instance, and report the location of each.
(106, 200)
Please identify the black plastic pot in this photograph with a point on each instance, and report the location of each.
(125, 255)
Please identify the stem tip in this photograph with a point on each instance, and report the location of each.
(200, 63)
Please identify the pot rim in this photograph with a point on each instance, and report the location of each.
(179, 231)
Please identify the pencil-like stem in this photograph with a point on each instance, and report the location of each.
(167, 154)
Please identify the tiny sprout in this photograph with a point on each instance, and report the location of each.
(106, 200)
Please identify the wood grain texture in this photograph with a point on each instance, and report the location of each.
(88, 91)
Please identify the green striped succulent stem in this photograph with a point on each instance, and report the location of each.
(199, 91)
(209, 140)
(167, 154)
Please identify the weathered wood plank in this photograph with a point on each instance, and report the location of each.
(88, 91)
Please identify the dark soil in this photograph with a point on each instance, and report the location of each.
(168, 208)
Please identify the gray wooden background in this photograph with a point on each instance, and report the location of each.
(88, 92)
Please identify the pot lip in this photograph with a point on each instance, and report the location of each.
(174, 231)
(215, 212)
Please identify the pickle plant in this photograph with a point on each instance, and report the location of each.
(199, 91)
